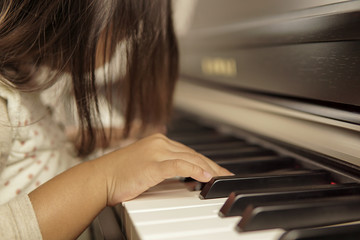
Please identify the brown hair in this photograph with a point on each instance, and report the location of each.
(64, 35)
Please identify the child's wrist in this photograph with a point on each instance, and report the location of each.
(99, 182)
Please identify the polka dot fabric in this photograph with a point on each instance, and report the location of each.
(39, 149)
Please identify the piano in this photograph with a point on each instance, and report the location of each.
(270, 90)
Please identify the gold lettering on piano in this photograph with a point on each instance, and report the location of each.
(219, 66)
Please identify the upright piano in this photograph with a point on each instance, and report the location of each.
(269, 89)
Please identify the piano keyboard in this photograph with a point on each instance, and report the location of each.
(271, 196)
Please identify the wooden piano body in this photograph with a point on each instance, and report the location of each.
(282, 83)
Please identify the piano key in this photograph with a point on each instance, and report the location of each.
(191, 133)
(230, 234)
(348, 232)
(250, 151)
(190, 227)
(185, 124)
(300, 214)
(252, 165)
(204, 138)
(222, 186)
(238, 143)
(237, 201)
(163, 214)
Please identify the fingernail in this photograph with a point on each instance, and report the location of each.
(207, 175)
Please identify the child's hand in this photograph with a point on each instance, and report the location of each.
(73, 198)
(132, 170)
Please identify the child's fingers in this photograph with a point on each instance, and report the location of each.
(179, 147)
(179, 167)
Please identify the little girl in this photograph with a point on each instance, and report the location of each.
(45, 192)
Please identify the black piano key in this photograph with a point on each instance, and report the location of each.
(342, 232)
(301, 214)
(204, 138)
(222, 186)
(191, 133)
(249, 151)
(253, 165)
(261, 164)
(237, 201)
(182, 124)
(187, 132)
(238, 143)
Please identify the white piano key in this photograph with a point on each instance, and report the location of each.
(160, 200)
(195, 227)
(168, 203)
(272, 234)
(167, 212)
(201, 229)
(176, 215)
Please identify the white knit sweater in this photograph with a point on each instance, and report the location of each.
(33, 149)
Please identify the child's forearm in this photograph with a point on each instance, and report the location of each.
(68, 203)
